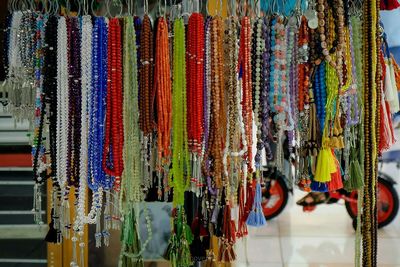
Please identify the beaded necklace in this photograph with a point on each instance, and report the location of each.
(50, 93)
(63, 123)
(97, 180)
(97, 96)
(195, 65)
(74, 96)
(86, 83)
(265, 128)
(114, 139)
(195, 80)
(258, 47)
(291, 85)
(38, 148)
(162, 86)
(113, 163)
(146, 92)
(370, 13)
(217, 115)
(131, 250)
(235, 134)
(146, 97)
(245, 70)
(180, 155)
(131, 175)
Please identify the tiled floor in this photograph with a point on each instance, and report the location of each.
(322, 238)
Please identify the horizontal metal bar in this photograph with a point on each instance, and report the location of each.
(23, 231)
(17, 182)
(37, 261)
(16, 169)
(18, 212)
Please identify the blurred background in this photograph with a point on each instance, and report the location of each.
(322, 238)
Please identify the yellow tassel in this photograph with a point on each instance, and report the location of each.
(325, 166)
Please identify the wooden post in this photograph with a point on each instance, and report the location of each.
(60, 255)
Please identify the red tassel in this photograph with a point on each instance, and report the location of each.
(242, 227)
(227, 241)
(336, 182)
(249, 199)
(389, 4)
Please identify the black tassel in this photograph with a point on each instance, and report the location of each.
(197, 250)
(52, 233)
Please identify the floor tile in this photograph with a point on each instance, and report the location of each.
(252, 264)
(388, 251)
(271, 229)
(259, 250)
(318, 250)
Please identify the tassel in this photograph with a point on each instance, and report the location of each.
(256, 217)
(249, 198)
(37, 203)
(178, 250)
(106, 238)
(74, 261)
(336, 182)
(66, 218)
(356, 180)
(211, 261)
(97, 235)
(82, 254)
(107, 211)
(185, 258)
(171, 251)
(52, 233)
(319, 187)
(325, 166)
(227, 241)
(242, 227)
(197, 250)
(115, 218)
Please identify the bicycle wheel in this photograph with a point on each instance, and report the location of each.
(275, 198)
(388, 203)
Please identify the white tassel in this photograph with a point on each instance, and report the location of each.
(37, 204)
(107, 212)
(97, 235)
(106, 238)
(116, 214)
(66, 218)
(74, 261)
(82, 254)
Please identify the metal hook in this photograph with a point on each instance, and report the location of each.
(85, 7)
(92, 9)
(129, 4)
(121, 8)
(79, 8)
(257, 8)
(146, 7)
(67, 8)
(108, 13)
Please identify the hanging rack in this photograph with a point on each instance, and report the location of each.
(164, 12)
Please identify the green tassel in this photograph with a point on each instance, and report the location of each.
(356, 180)
(178, 250)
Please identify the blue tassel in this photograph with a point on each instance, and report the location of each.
(256, 217)
(319, 187)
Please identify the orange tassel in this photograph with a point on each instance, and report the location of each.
(336, 182)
